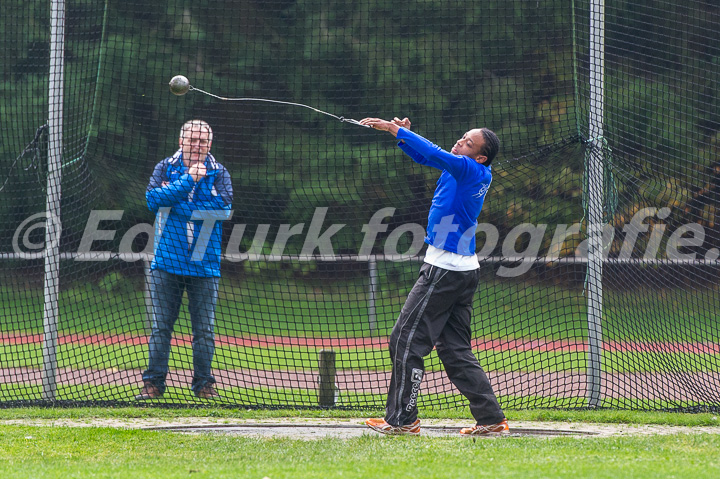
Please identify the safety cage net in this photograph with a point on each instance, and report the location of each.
(598, 241)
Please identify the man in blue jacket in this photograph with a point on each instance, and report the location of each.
(191, 194)
(438, 310)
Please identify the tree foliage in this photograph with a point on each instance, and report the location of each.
(518, 67)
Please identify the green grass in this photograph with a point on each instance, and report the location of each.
(287, 358)
(264, 397)
(44, 452)
(63, 452)
(256, 397)
(267, 306)
(270, 305)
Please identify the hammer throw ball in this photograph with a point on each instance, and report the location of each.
(179, 85)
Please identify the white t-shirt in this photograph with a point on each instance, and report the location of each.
(451, 261)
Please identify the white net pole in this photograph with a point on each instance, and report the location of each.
(53, 227)
(595, 199)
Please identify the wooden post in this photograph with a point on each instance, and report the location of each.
(326, 378)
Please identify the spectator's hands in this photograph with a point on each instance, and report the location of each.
(197, 171)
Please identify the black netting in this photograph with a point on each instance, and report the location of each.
(598, 240)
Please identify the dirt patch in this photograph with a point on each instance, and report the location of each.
(314, 428)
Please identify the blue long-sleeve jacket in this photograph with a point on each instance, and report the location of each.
(188, 227)
(458, 197)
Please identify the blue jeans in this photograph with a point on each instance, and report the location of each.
(166, 292)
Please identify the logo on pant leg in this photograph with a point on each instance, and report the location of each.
(415, 379)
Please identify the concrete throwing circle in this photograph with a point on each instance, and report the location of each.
(343, 428)
(320, 431)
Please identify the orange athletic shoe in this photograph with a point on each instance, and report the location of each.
(500, 428)
(380, 425)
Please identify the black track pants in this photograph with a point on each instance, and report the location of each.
(437, 313)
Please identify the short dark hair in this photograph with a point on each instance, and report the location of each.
(491, 147)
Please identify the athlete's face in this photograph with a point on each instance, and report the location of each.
(471, 144)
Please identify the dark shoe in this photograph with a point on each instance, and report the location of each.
(149, 391)
(207, 392)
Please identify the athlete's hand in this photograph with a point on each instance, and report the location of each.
(404, 123)
(376, 123)
(379, 124)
